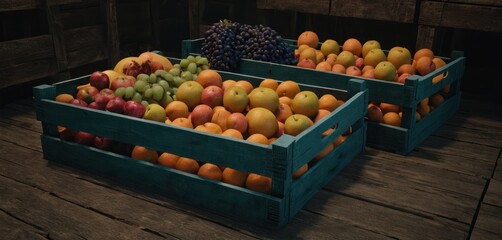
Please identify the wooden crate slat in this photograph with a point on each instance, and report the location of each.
(464, 16)
(317, 7)
(395, 10)
(24, 50)
(27, 71)
(16, 5)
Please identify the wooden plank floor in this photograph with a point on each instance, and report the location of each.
(450, 187)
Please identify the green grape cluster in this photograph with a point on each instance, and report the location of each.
(160, 87)
(188, 69)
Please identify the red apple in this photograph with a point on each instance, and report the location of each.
(116, 105)
(87, 94)
(212, 96)
(106, 92)
(84, 138)
(238, 121)
(134, 109)
(122, 81)
(99, 80)
(201, 114)
(79, 102)
(101, 101)
(102, 142)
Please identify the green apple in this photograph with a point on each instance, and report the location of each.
(346, 59)
(399, 56)
(385, 71)
(264, 97)
(374, 56)
(155, 112)
(190, 92)
(306, 103)
(235, 99)
(370, 44)
(296, 123)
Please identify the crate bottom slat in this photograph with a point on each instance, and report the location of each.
(222, 198)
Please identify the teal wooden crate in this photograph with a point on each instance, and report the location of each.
(277, 160)
(400, 140)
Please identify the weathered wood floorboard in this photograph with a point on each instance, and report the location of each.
(433, 193)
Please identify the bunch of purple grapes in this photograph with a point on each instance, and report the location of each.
(225, 43)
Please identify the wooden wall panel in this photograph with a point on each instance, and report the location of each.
(387, 10)
(464, 16)
(317, 7)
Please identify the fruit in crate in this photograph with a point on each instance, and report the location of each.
(225, 43)
(99, 80)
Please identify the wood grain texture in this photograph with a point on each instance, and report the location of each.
(16, 5)
(378, 196)
(395, 10)
(317, 7)
(464, 16)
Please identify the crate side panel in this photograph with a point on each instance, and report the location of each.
(161, 137)
(433, 121)
(222, 198)
(325, 170)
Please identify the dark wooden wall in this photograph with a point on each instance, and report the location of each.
(51, 40)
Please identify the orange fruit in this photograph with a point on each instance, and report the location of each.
(209, 127)
(64, 97)
(374, 113)
(228, 83)
(308, 38)
(257, 138)
(246, 85)
(392, 118)
(209, 77)
(439, 63)
(232, 133)
(425, 65)
(353, 45)
(353, 71)
(328, 102)
(436, 99)
(320, 114)
(285, 100)
(259, 183)
(187, 165)
(182, 122)
(302, 47)
(263, 121)
(234, 177)
(308, 53)
(324, 152)
(339, 141)
(288, 88)
(168, 159)
(145, 154)
(423, 52)
(176, 109)
(269, 83)
(323, 66)
(406, 68)
(387, 107)
(300, 171)
(211, 171)
(338, 68)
